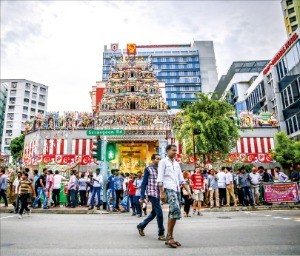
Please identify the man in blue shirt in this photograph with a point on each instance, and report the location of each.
(111, 191)
(150, 182)
(3, 186)
(118, 187)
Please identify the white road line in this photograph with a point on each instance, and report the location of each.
(297, 220)
(268, 215)
(11, 216)
(277, 217)
(286, 218)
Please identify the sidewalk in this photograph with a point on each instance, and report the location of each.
(84, 210)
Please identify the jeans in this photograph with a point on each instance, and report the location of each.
(73, 201)
(132, 203)
(138, 205)
(96, 190)
(222, 195)
(41, 192)
(3, 195)
(111, 192)
(24, 203)
(127, 205)
(55, 196)
(119, 197)
(156, 212)
(247, 194)
(83, 200)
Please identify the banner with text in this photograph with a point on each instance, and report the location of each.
(281, 192)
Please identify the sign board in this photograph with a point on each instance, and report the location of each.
(114, 132)
(114, 47)
(281, 192)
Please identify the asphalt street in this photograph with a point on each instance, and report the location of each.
(215, 233)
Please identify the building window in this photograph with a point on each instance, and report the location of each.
(289, 2)
(24, 116)
(41, 104)
(294, 27)
(26, 100)
(25, 108)
(295, 89)
(14, 84)
(32, 109)
(292, 19)
(42, 90)
(291, 10)
(11, 108)
(8, 132)
(33, 102)
(27, 86)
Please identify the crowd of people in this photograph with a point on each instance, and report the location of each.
(162, 182)
(210, 188)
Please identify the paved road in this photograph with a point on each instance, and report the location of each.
(228, 233)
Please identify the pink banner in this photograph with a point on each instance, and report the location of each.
(281, 192)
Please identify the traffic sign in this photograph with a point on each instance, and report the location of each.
(113, 132)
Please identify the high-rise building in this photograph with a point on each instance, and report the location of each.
(237, 81)
(184, 68)
(3, 99)
(25, 99)
(291, 14)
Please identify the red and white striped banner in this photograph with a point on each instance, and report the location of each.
(254, 145)
(82, 146)
(30, 149)
(55, 147)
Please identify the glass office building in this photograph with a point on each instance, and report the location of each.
(185, 68)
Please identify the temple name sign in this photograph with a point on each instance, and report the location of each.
(112, 132)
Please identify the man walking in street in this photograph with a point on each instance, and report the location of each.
(41, 188)
(213, 189)
(169, 180)
(25, 187)
(198, 190)
(149, 187)
(97, 185)
(137, 185)
(3, 186)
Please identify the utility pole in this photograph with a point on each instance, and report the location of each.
(103, 165)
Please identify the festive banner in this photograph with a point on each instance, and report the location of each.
(250, 158)
(281, 192)
(58, 159)
(131, 49)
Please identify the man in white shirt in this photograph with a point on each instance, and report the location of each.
(282, 177)
(229, 188)
(57, 179)
(97, 185)
(16, 192)
(169, 180)
(222, 186)
(255, 179)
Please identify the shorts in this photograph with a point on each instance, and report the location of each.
(198, 195)
(173, 199)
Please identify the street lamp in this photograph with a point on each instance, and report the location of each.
(195, 132)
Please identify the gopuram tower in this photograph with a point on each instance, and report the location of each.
(133, 101)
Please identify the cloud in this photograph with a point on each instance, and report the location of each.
(60, 43)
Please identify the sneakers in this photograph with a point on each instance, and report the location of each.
(98, 208)
(133, 214)
(29, 213)
(20, 216)
(162, 238)
(141, 231)
(199, 214)
(194, 211)
(91, 208)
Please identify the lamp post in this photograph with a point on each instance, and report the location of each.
(195, 132)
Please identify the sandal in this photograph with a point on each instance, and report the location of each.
(175, 242)
(162, 238)
(172, 245)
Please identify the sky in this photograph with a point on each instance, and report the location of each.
(60, 43)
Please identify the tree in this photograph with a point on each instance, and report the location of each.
(185, 103)
(16, 147)
(286, 151)
(213, 121)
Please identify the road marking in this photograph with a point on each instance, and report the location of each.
(11, 216)
(268, 215)
(277, 217)
(286, 218)
(297, 220)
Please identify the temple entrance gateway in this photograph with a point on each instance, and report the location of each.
(133, 156)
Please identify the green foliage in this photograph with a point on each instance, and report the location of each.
(248, 167)
(185, 104)
(218, 133)
(16, 147)
(286, 151)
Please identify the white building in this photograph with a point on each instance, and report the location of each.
(25, 99)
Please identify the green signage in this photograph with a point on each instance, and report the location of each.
(105, 132)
